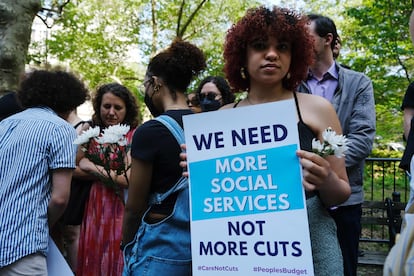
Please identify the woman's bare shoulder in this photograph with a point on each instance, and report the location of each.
(318, 112)
(314, 102)
(312, 98)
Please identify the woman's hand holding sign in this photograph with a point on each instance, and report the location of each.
(183, 162)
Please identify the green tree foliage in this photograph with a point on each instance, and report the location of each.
(107, 40)
(92, 39)
(376, 35)
(97, 37)
(376, 42)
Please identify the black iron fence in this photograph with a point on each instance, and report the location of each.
(384, 182)
(383, 177)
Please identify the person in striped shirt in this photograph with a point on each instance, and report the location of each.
(37, 157)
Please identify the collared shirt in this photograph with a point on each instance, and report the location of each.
(33, 143)
(326, 86)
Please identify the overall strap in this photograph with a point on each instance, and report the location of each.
(173, 126)
(178, 133)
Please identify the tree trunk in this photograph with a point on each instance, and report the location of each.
(16, 18)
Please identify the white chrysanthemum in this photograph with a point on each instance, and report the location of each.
(108, 138)
(333, 144)
(317, 146)
(123, 142)
(87, 135)
(113, 134)
(329, 136)
(119, 129)
(342, 146)
(340, 151)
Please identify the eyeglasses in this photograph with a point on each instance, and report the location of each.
(210, 96)
(143, 87)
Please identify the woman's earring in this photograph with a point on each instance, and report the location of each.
(243, 73)
(288, 76)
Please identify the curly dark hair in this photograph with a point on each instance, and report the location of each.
(59, 90)
(177, 65)
(222, 85)
(131, 117)
(258, 24)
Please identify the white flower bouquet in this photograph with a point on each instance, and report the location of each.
(333, 144)
(109, 150)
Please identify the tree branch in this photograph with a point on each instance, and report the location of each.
(50, 11)
(180, 33)
(179, 17)
(154, 28)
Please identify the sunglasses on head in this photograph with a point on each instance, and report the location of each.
(210, 96)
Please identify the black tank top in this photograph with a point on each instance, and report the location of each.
(305, 132)
(305, 136)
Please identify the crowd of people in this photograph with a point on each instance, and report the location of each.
(136, 221)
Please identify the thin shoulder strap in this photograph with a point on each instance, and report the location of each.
(178, 133)
(79, 123)
(297, 106)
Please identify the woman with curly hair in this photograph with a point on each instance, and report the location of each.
(36, 164)
(268, 53)
(101, 228)
(155, 170)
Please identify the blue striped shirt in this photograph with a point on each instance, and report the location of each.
(32, 144)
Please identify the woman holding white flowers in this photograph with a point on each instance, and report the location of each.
(267, 53)
(106, 159)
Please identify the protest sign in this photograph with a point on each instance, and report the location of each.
(56, 263)
(247, 203)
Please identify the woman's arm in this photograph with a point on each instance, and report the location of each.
(91, 169)
(137, 203)
(325, 174)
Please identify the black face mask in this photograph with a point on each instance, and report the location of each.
(150, 104)
(209, 105)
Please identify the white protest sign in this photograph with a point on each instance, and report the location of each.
(56, 263)
(247, 204)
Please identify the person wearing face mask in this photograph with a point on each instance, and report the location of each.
(214, 92)
(100, 235)
(155, 168)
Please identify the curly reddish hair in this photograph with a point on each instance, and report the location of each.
(258, 24)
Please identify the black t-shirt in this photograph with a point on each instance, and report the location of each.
(9, 105)
(153, 142)
(408, 100)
